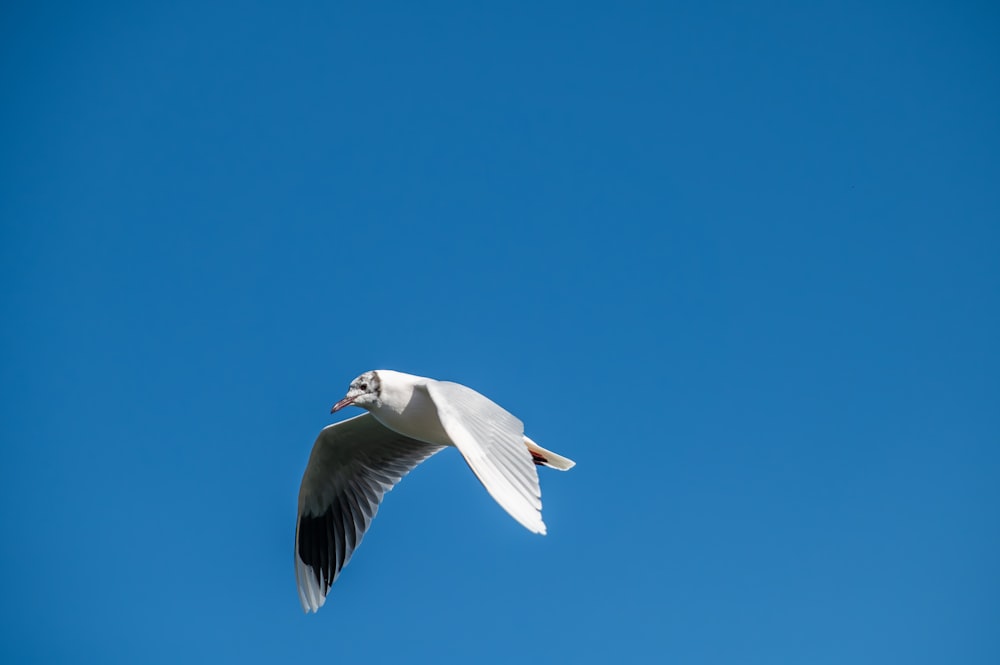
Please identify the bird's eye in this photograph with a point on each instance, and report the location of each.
(363, 386)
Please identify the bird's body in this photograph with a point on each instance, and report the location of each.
(407, 408)
(354, 462)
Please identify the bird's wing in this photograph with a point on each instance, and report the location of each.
(352, 465)
(492, 442)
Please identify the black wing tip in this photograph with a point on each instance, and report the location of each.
(314, 548)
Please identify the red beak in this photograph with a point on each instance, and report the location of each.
(347, 401)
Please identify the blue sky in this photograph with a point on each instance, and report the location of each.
(739, 261)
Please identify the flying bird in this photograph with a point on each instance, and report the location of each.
(356, 461)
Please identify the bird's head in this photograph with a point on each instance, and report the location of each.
(365, 391)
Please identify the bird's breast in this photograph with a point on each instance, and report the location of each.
(413, 415)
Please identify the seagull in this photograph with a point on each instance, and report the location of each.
(356, 461)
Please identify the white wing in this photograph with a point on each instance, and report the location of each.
(492, 442)
(352, 465)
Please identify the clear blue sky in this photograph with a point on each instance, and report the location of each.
(739, 260)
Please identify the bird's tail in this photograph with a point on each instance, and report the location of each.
(548, 458)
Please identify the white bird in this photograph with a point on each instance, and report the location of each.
(355, 462)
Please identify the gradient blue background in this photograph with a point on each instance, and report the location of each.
(739, 261)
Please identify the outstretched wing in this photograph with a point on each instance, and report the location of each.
(352, 465)
(492, 442)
